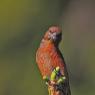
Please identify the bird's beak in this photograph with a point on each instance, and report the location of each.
(53, 36)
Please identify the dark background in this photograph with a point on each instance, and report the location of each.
(22, 26)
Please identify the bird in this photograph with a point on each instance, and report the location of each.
(51, 62)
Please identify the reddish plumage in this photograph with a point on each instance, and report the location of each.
(49, 57)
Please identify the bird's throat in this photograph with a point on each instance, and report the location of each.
(48, 43)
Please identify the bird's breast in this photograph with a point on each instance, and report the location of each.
(49, 58)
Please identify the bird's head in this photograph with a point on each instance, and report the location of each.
(54, 34)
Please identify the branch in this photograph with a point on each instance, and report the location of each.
(56, 82)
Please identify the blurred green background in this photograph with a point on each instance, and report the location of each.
(22, 26)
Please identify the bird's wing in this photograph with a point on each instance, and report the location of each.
(44, 63)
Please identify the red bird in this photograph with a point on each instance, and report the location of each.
(48, 58)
